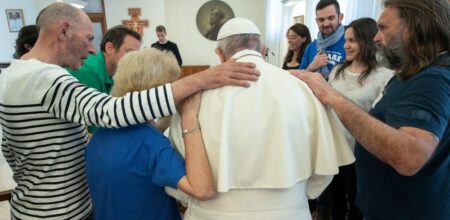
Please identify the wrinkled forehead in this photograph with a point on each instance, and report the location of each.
(389, 16)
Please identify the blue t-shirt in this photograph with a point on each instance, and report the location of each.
(127, 170)
(422, 101)
(335, 53)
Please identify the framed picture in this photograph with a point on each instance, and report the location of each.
(211, 16)
(299, 19)
(15, 19)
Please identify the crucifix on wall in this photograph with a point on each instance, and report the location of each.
(135, 22)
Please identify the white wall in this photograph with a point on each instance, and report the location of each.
(182, 29)
(117, 10)
(177, 15)
(8, 38)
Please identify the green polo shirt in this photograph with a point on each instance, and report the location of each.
(93, 74)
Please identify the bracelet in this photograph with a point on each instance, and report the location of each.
(188, 131)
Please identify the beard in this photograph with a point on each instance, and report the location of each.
(327, 31)
(391, 55)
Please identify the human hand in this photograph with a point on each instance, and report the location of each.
(319, 61)
(319, 86)
(229, 73)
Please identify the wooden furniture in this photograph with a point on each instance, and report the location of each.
(191, 69)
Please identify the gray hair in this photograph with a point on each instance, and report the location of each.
(56, 12)
(235, 43)
(144, 69)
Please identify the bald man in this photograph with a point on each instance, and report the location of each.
(44, 112)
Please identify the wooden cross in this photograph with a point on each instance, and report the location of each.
(135, 23)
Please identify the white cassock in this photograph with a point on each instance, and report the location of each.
(270, 146)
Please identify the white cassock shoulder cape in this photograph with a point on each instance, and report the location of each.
(269, 136)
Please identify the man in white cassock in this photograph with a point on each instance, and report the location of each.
(270, 146)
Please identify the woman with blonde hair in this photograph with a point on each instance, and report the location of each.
(128, 168)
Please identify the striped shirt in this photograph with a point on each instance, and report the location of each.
(44, 112)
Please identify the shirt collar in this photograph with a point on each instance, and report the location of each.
(246, 52)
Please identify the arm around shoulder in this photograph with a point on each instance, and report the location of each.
(406, 149)
(229, 73)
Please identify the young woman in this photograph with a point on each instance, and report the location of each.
(128, 168)
(298, 37)
(361, 80)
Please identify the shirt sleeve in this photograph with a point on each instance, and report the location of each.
(70, 100)
(166, 166)
(306, 59)
(425, 105)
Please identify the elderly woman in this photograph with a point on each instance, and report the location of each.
(128, 168)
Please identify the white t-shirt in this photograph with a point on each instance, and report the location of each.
(362, 95)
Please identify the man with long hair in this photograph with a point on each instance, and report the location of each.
(403, 149)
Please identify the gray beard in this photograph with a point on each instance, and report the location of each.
(391, 55)
(384, 60)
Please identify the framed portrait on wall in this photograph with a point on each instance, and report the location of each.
(211, 16)
(299, 19)
(15, 19)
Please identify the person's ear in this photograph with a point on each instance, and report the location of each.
(219, 53)
(28, 46)
(63, 30)
(341, 17)
(303, 39)
(109, 48)
(263, 50)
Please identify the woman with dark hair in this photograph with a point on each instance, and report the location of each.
(28, 35)
(361, 80)
(298, 37)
